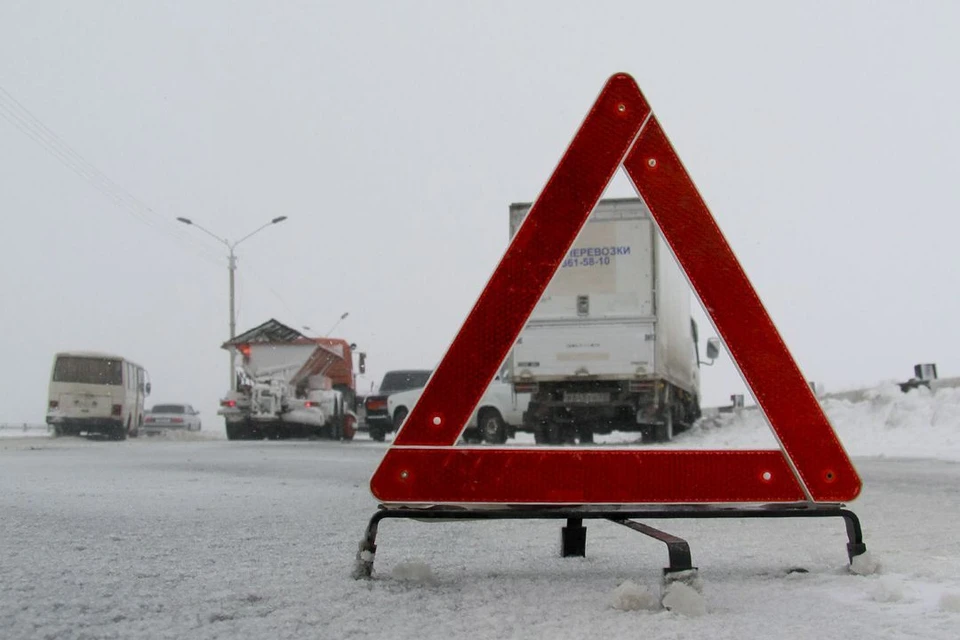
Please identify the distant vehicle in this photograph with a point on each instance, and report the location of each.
(289, 385)
(379, 420)
(94, 392)
(611, 345)
(165, 417)
(496, 418)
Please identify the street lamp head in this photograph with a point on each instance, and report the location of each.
(185, 220)
(345, 314)
(278, 219)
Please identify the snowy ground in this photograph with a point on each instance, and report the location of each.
(197, 537)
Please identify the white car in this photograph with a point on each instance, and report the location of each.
(167, 417)
(496, 418)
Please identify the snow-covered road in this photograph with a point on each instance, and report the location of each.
(204, 538)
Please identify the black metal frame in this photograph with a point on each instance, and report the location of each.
(574, 535)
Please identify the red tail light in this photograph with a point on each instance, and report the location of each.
(177, 420)
(525, 387)
(376, 403)
(228, 403)
(148, 419)
(640, 386)
(54, 404)
(117, 410)
(309, 403)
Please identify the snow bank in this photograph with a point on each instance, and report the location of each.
(887, 422)
(24, 431)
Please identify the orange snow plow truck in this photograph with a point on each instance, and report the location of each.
(288, 385)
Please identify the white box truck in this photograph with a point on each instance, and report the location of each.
(611, 345)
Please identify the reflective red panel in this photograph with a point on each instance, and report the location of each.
(537, 475)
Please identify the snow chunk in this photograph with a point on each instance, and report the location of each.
(950, 602)
(864, 565)
(689, 577)
(414, 571)
(631, 596)
(887, 590)
(684, 599)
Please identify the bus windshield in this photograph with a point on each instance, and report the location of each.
(88, 370)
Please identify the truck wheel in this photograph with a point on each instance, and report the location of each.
(120, 432)
(349, 427)
(540, 434)
(377, 433)
(472, 436)
(336, 425)
(234, 432)
(398, 417)
(492, 427)
(546, 433)
(341, 423)
(663, 432)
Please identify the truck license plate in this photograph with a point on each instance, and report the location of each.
(586, 397)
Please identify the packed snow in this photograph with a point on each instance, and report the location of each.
(683, 599)
(865, 565)
(193, 536)
(414, 571)
(950, 602)
(631, 596)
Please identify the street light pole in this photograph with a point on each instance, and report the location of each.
(337, 323)
(232, 269)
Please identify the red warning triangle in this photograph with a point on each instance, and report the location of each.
(424, 467)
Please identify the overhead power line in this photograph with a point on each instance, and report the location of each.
(23, 120)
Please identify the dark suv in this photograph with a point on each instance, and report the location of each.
(378, 419)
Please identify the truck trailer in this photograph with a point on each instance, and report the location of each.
(611, 345)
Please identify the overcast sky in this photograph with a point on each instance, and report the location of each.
(823, 136)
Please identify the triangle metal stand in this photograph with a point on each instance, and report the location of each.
(574, 534)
